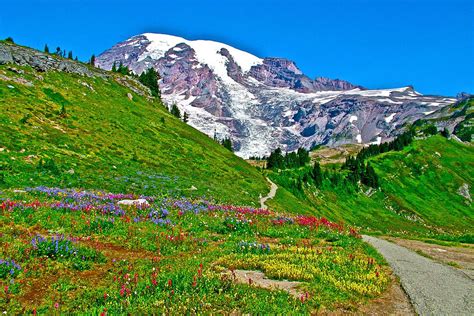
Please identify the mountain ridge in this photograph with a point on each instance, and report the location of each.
(265, 103)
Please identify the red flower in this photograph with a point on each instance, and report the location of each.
(170, 283)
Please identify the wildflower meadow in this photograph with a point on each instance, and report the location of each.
(64, 251)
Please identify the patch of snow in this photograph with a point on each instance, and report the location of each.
(375, 93)
(352, 118)
(359, 138)
(429, 112)
(378, 141)
(207, 52)
(387, 100)
(389, 118)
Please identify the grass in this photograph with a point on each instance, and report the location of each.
(61, 129)
(80, 252)
(418, 193)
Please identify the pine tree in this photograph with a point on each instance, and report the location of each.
(69, 55)
(58, 51)
(46, 48)
(64, 53)
(303, 157)
(150, 79)
(114, 67)
(317, 175)
(175, 111)
(185, 117)
(92, 60)
(10, 40)
(227, 143)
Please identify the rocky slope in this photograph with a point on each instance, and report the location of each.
(267, 103)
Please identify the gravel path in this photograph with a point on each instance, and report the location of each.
(433, 288)
(271, 194)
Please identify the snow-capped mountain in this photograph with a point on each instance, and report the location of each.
(265, 103)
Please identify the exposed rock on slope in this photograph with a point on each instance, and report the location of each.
(267, 103)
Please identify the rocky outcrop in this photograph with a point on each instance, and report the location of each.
(42, 62)
(283, 73)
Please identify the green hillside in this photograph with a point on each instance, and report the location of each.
(64, 129)
(418, 192)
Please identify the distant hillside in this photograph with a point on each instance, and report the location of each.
(425, 189)
(65, 123)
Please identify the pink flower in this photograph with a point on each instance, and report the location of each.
(56, 305)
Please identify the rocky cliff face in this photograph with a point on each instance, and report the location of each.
(267, 103)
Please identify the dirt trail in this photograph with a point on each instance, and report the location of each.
(271, 194)
(433, 288)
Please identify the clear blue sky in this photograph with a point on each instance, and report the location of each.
(374, 43)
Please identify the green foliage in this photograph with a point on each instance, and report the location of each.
(10, 40)
(297, 159)
(93, 145)
(124, 70)
(47, 165)
(430, 130)
(149, 78)
(25, 118)
(92, 60)
(417, 195)
(185, 117)
(46, 48)
(227, 143)
(175, 111)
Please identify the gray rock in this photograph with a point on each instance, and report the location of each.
(464, 192)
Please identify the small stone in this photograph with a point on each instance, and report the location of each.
(10, 86)
(130, 96)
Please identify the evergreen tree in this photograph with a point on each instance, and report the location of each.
(76, 59)
(185, 117)
(227, 143)
(92, 60)
(114, 67)
(46, 48)
(445, 133)
(317, 175)
(175, 111)
(275, 160)
(10, 40)
(69, 55)
(369, 177)
(64, 53)
(149, 78)
(303, 157)
(58, 51)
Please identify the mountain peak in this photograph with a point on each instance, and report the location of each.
(265, 103)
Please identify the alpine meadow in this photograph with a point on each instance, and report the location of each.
(178, 174)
